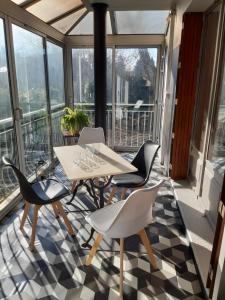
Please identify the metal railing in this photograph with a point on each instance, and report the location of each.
(131, 127)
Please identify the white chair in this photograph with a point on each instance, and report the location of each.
(89, 135)
(123, 219)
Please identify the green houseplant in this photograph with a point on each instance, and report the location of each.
(73, 121)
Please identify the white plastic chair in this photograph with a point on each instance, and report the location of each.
(89, 135)
(123, 219)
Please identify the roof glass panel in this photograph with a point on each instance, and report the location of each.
(47, 10)
(141, 22)
(85, 27)
(66, 23)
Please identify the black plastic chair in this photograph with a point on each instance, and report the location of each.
(48, 191)
(143, 161)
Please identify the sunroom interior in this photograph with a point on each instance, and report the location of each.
(148, 73)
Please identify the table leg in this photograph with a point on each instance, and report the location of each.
(75, 191)
(86, 244)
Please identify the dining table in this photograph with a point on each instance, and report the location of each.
(93, 166)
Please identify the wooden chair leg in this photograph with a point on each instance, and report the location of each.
(144, 238)
(25, 213)
(73, 185)
(114, 188)
(123, 194)
(121, 266)
(64, 216)
(55, 209)
(34, 224)
(94, 249)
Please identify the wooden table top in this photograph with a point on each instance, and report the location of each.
(91, 160)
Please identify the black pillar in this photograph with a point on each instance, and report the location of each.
(100, 10)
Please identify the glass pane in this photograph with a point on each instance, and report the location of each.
(206, 71)
(86, 25)
(56, 89)
(141, 22)
(46, 10)
(83, 83)
(30, 74)
(136, 71)
(217, 148)
(7, 138)
(65, 24)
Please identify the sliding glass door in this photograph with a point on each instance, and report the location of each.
(32, 96)
(7, 133)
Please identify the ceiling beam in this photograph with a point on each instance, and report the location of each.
(66, 14)
(76, 23)
(29, 3)
(113, 22)
(87, 4)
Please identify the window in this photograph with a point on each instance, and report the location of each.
(217, 147)
(56, 89)
(7, 137)
(136, 70)
(83, 82)
(30, 74)
(55, 75)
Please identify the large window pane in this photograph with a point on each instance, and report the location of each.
(7, 138)
(83, 83)
(206, 82)
(30, 74)
(136, 71)
(217, 147)
(56, 89)
(142, 22)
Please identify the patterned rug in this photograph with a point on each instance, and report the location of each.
(56, 269)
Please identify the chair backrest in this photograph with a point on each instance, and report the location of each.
(135, 214)
(91, 135)
(25, 187)
(145, 157)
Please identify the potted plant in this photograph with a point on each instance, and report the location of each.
(73, 121)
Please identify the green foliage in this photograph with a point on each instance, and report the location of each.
(73, 120)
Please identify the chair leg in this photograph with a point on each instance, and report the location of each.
(73, 185)
(55, 209)
(64, 216)
(144, 238)
(25, 213)
(34, 224)
(123, 194)
(94, 249)
(121, 266)
(114, 188)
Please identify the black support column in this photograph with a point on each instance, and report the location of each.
(100, 10)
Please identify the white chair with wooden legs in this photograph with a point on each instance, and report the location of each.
(123, 219)
(90, 135)
(38, 194)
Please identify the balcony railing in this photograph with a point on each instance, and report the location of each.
(127, 127)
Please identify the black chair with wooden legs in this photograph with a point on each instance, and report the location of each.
(143, 161)
(40, 193)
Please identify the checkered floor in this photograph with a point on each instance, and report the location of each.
(56, 270)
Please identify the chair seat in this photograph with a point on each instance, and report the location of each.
(128, 180)
(102, 219)
(49, 190)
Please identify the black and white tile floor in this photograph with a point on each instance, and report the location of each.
(56, 270)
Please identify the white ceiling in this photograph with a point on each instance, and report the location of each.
(196, 5)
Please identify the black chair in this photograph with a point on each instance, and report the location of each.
(48, 191)
(143, 161)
